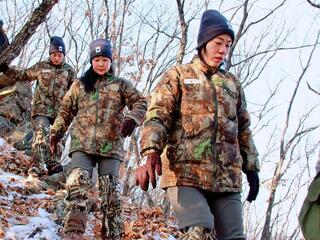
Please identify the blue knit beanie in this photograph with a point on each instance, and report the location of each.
(213, 23)
(57, 45)
(100, 47)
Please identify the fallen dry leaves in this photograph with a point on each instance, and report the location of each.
(16, 209)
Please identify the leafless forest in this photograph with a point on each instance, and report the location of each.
(275, 55)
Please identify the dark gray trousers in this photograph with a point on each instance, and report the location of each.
(221, 211)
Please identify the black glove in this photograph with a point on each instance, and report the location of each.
(127, 127)
(4, 67)
(54, 169)
(253, 180)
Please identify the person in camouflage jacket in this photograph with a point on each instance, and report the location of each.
(53, 79)
(196, 134)
(95, 103)
(4, 42)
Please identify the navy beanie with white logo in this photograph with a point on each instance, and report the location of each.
(100, 47)
(213, 23)
(57, 45)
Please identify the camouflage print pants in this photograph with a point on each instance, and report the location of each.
(78, 185)
(112, 222)
(40, 144)
(196, 233)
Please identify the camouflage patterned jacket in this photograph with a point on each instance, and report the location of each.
(98, 115)
(52, 83)
(199, 147)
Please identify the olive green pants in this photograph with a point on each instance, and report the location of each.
(221, 211)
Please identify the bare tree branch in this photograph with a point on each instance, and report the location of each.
(316, 92)
(184, 32)
(313, 4)
(38, 16)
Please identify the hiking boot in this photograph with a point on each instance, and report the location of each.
(75, 221)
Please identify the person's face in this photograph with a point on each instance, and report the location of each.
(101, 65)
(56, 58)
(216, 50)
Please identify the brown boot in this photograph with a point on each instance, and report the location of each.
(75, 221)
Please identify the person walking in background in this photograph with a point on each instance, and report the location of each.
(96, 102)
(53, 78)
(4, 42)
(196, 135)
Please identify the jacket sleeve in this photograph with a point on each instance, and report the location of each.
(136, 103)
(28, 74)
(68, 110)
(247, 147)
(163, 102)
(72, 77)
(13, 75)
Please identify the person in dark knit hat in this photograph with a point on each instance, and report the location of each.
(4, 42)
(196, 135)
(53, 78)
(57, 45)
(96, 102)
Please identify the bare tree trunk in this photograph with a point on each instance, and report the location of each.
(38, 16)
(184, 32)
(284, 148)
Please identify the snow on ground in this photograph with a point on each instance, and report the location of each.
(28, 214)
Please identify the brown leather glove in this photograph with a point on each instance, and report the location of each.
(53, 140)
(142, 177)
(127, 127)
(147, 172)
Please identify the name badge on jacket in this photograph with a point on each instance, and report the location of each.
(192, 81)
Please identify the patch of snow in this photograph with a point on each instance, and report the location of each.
(40, 227)
(2, 141)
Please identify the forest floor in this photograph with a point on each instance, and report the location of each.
(28, 207)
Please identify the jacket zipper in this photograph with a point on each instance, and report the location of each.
(95, 126)
(215, 128)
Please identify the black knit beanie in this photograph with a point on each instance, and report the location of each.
(213, 23)
(57, 45)
(100, 47)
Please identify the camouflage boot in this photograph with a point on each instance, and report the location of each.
(112, 222)
(75, 221)
(41, 148)
(40, 151)
(197, 233)
(76, 203)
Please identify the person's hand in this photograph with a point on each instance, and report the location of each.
(127, 127)
(253, 180)
(147, 172)
(142, 177)
(4, 67)
(53, 140)
(153, 165)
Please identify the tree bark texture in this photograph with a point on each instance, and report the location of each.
(37, 17)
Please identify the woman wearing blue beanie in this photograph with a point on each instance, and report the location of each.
(95, 104)
(196, 135)
(53, 78)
